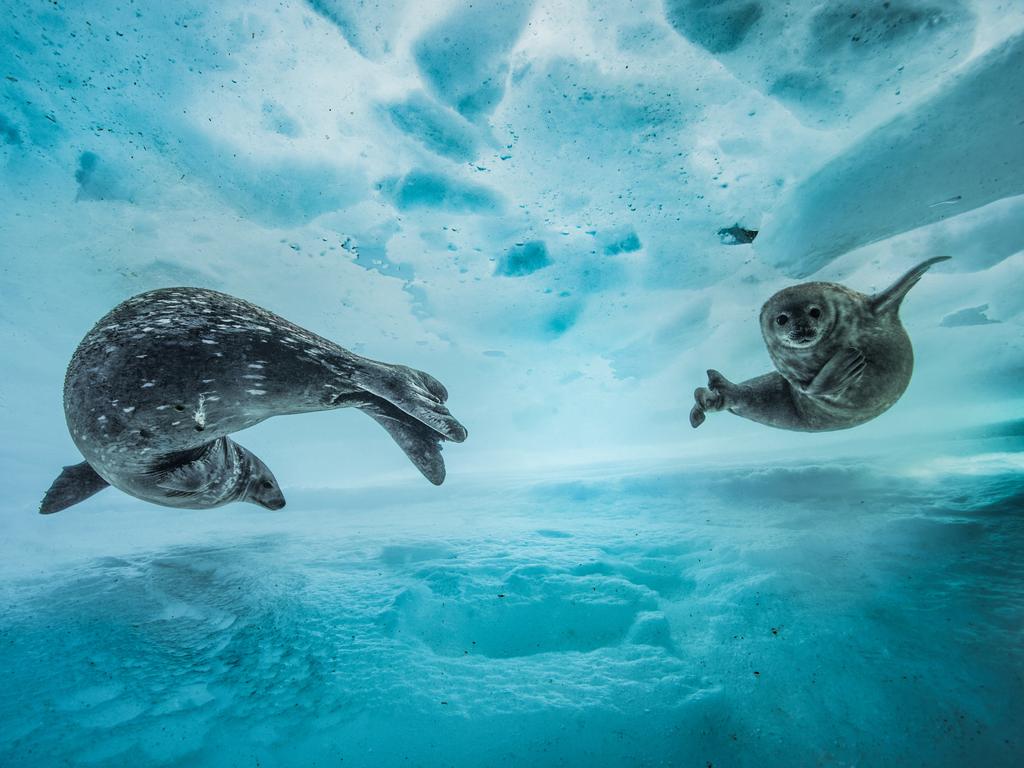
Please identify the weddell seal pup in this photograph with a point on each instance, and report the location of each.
(155, 388)
(842, 358)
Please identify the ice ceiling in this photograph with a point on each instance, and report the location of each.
(523, 198)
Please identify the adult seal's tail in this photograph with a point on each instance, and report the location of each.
(155, 388)
(841, 358)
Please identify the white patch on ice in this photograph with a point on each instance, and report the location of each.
(982, 464)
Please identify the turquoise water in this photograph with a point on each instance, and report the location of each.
(818, 615)
(567, 211)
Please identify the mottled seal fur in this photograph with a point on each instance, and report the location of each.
(842, 358)
(155, 388)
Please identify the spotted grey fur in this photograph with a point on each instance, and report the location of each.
(155, 388)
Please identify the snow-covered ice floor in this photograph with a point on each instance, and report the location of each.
(842, 614)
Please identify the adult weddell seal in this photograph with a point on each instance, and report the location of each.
(155, 388)
(842, 358)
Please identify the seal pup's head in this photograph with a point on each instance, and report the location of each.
(257, 484)
(800, 316)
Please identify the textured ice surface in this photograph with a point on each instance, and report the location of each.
(959, 150)
(523, 198)
(828, 61)
(793, 614)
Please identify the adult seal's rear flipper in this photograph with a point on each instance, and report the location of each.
(416, 393)
(421, 443)
(76, 483)
(890, 299)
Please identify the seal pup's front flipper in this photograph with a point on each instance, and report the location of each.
(416, 393)
(710, 398)
(421, 443)
(841, 370)
(891, 298)
(697, 416)
(76, 483)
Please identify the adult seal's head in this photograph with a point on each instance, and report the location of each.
(260, 486)
(216, 473)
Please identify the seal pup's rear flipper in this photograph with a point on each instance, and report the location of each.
(892, 297)
(421, 443)
(76, 483)
(416, 393)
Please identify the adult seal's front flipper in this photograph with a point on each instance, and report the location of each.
(76, 483)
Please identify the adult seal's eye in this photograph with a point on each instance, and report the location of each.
(782, 319)
(815, 313)
(267, 484)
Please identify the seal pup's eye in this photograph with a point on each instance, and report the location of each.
(267, 484)
(814, 312)
(782, 319)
